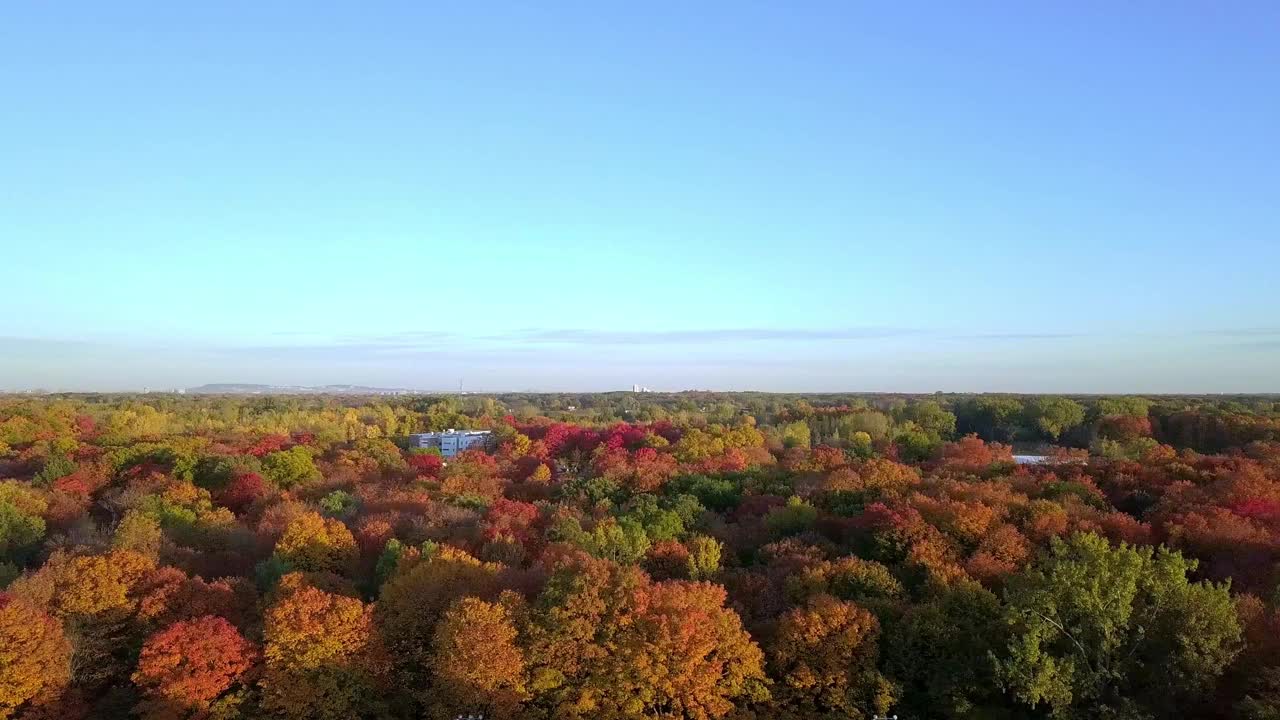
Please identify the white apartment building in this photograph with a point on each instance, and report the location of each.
(451, 442)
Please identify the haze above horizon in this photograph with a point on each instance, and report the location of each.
(681, 195)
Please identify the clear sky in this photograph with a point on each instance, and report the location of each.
(842, 195)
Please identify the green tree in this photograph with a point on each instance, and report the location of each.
(55, 466)
(1125, 405)
(796, 434)
(623, 541)
(392, 553)
(1053, 416)
(930, 417)
(704, 557)
(795, 517)
(290, 468)
(339, 504)
(937, 650)
(214, 472)
(1100, 632)
(991, 417)
(875, 424)
(915, 443)
(21, 524)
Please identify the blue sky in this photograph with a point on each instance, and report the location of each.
(731, 195)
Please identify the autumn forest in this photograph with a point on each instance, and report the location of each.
(640, 555)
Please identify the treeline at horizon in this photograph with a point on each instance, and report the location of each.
(640, 555)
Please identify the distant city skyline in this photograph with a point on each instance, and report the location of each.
(827, 197)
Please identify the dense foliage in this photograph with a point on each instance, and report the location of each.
(624, 555)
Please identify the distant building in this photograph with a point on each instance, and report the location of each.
(451, 442)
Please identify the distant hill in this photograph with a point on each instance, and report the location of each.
(256, 389)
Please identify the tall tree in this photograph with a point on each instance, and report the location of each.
(315, 543)
(1053, 416)
(35, 656)
(185, 667)
(683, 655)
(477, 665)
(1099, 632)
(824, 655)
(323, 659)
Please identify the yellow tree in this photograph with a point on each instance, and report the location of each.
(315, 543)
(35, 656)
(412, 602)
(682, 654)
(85, 585)
(476, 664)
(824, 655)
(323, 659)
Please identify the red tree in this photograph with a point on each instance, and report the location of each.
(190, 663)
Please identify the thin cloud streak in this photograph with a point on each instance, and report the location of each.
(1265, 345)
(1243, 332)
(1019, 336)
(571, 336)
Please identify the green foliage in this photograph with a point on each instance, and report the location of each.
(593, 490)
(469, 501)
(659, 524)
(55, 466)
(392, 553)
(1096, 629)
(716, 493)
(290, 468)
(937, 651)
(213, 472)
(8, 573)
(915, 443)
(1052, 416)
(1133, 449)
(622, 541)
(875, 424)
(935, 421)
(384, 452)
(21, 524)
(444, 415)
(704, 557)
(795, 435)
(339, 504)
(1126, 405)
(1061, 489)
(686, 507)
(185, 516)
(861, 581)
(267, 573)
(795, 517)
(178, 455)
(860, 444)
(19, 532)
(993, 417)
